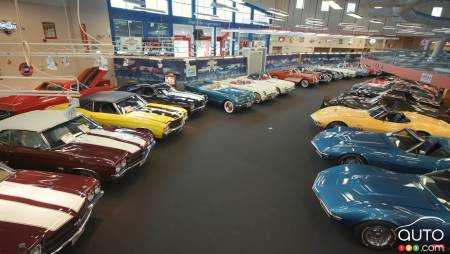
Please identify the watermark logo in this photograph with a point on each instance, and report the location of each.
(418, 238)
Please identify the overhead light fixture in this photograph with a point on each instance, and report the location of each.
(275, 18)
(409, 25)
(354, 15)
(347, 24)
(442, 30)
(377, 7)
(140, 8)
(389, 27)
(334, 5)
(277, 12)
(376, 21)
(224, 6)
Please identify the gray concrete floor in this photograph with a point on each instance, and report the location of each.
(227, 184)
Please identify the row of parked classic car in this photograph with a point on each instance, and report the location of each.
(392, 139)
(69, 147)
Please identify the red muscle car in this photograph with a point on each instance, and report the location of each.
(303, 79)
(91, 81)
(71, 143)
(42, 212)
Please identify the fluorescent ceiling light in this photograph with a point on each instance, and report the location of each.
(224, 6)
(409, 25)
(299, 4)
(277, 12)
(354, 15)
(436, 12)
(140, 8)
(325, 6)
(334, 5)
(275, 18)
(347, 24)
(378, 7)
(377, 21)
(351, 7)
(389, 27)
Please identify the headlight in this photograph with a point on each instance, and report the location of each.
(37, 249)
(124, 163)
(192, 106)
(166, 129)
(97, 189)
(90, 196)
(118, 168)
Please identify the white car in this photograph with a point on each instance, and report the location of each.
(348, 73)
(263, 92)
(282, 86)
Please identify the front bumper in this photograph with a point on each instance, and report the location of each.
(137, 163)
(244, 105)
(324, 207)
(83, 221)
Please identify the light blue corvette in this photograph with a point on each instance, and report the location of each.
(229, 98)
(384, 207)
(403, 151)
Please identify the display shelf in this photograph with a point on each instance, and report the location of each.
(410, 73)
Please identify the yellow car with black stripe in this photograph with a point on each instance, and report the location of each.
(380, 119)
(129, 110)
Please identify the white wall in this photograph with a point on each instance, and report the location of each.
(93, 13)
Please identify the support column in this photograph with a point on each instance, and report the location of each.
(427, 47)
(438, 49)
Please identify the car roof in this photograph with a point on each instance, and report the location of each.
(106, 96)
(137, 85)
(38, 120)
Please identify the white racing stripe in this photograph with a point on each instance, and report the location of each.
(20, 213)
(119, 135)
(43, 195)
(101, 141)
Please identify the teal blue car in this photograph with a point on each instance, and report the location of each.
(229, 98)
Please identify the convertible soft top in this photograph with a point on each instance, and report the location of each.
(107, 96)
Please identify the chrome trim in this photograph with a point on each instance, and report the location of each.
(324, 207)
(79, 232)
(144, 159)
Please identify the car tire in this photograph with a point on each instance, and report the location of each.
(351, 159)
(329, 78)
(304, 83)
(228, 106)
(377, 235)
(336, 124)
(258, 98)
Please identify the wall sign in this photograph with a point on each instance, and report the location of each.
(26, 70)
(191, 70)
(8, 27)
(49, 30)
(426, 77)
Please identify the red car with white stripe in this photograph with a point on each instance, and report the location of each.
(295, 75)
(42, 212)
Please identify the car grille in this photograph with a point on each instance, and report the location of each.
(5, 114)
(176, 123)
(64, 233)
(135, 158)
(199, 104)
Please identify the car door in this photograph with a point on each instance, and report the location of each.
(413, 163)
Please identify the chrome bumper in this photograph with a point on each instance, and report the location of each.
(84, 221)
(138, 163)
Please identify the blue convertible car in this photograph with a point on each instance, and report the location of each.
(384, 207)
(229, 98)
(403, 152)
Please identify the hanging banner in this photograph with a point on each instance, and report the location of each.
(84, 37)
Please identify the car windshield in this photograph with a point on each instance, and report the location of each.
(5, 172)
(439, 184)
(131, 104)
(52, 86)
(378, 112)
(66, 132)
(407, 140)
(163, 90)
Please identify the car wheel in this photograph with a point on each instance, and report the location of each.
(376, 235)
(328, 78)
(228, 106)
(258, 98)
(351, 159)
(304, 83)
(336, 124)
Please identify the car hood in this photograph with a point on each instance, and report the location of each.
(343, 135)
(52, 199)
(23, 103)
(184, 97)
(338, 110)
(347, 185)
(92, 153)
(155, 114)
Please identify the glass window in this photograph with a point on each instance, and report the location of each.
(126, 28)
(299, 4)
(30, 139)
(260, 16)
(182, 8)
(158, 29)
(325, 6)
(4, 137)
(351, 7)
(158, 5)
(204, 7)
(244, 14)
(223, 13)
(123, 4)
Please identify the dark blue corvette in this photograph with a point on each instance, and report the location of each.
(404, 151)
(384, 207)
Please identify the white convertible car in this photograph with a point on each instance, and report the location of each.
(348, 73)
(263, 91)
(282, 86)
